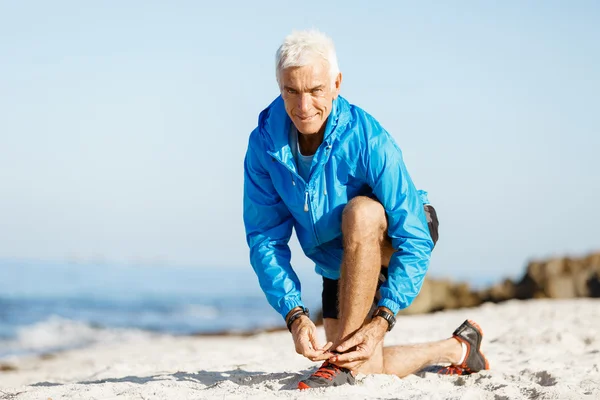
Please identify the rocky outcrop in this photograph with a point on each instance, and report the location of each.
(437, 295)
(557, 278)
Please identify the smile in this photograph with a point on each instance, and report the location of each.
(306, 119)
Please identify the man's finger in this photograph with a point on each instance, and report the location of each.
(349, 343)
(321, 357)
(357, 355)
(324, 353)
(314, 342)
(307, 350)
(316, 355)
(327, 346)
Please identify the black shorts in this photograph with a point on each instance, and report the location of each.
(330, 286)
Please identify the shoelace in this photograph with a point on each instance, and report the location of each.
(327, 371)
(451, 370)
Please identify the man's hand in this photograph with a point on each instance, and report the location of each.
(362, 344)
(304, 333)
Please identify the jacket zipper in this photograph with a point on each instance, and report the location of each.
(306, 194)
(321, 166)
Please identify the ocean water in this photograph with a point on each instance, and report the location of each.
(50, 306)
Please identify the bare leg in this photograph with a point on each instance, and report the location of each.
(363, 227)
(408, 359)
(331, 326)
(366, 247)
(405, 360)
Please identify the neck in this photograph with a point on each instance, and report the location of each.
(311, 142)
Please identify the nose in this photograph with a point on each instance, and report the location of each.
(304, 102)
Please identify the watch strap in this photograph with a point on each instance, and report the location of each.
(297, 314)
(388, 316)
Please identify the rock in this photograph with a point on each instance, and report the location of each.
(442, 294)
(502, 291)
(560, 287)
(580, 281)
(593, 285)
(556, 278)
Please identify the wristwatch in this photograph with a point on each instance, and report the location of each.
(297, 314)
(388, 316)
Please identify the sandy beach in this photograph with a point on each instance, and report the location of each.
(538, 349)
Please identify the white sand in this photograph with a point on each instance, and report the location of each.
(538, 349)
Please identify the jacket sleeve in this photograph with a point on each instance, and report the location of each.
(268, 225)
(407, 224)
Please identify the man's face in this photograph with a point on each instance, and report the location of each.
(308, 95)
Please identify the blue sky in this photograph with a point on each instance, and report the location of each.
(123, 125)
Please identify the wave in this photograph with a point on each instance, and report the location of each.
(46, 327)
(70, 305)
(57, 333)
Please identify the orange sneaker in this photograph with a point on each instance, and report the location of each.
(450, 370)
(326, 376)
(471, 335)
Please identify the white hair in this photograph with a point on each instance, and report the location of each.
(301, 48)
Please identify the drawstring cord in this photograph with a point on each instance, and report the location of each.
(327, 149)
(306, 201)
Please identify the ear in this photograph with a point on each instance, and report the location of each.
(338, 85)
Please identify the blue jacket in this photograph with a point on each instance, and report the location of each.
(357, 158)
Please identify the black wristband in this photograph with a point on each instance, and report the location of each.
(296, 315)
(388, 316)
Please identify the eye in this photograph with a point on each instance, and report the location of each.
(291, 91)
(317, 91)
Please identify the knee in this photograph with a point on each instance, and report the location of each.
(363, 219)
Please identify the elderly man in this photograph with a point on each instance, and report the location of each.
(325, 167)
